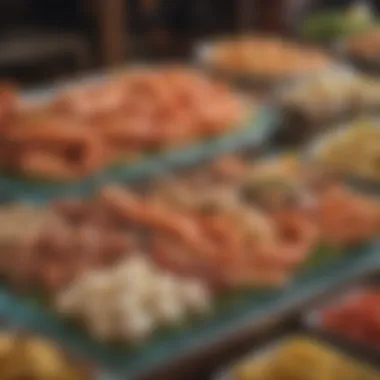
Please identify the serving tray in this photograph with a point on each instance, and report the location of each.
(241, 313)
(254, 132)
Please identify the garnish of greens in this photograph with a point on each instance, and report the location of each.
(330, 25)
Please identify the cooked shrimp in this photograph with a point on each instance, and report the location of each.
(96, 99)
(173, 255)
(73, 150)
(41, 164)
(348, 218)
(297, 237)
(150, 87)
(47, 130)
(123, 117)
(152, 215)
(222, 234)
(8, 102)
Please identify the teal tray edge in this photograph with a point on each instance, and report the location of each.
(254, 133)
(245, 310)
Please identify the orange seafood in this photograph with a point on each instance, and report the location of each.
(272, 261)
(226, 240)
(89, 127)
(137, 210)
(171, 253)
(219, 115)
(57, 149)
(132, 129)
(96, 99)
(297, 236)
(41, 164)
(365, 45)
(230, 167)
(346, 218)
(8, 102)
(227, 244)
(151, 86)
(242, 252)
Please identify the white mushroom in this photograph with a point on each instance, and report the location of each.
(136, 325)
(133, 274)
(196, 296)
(131, 300)
(165, 301)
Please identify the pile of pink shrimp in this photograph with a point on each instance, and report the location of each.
(347, 218)
(203, 225)
(231, 247)
(204, 228)
(86, 129)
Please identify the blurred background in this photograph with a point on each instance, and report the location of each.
(42, 40)
(292, 93)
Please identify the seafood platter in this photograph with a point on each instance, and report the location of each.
(152, 226)
(279, 61)
(120, 128)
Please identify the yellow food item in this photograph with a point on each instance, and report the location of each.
(353, 371)
(317, 363)
(303, 359)
(251, 371)
(34, 358)
(47, 360)
(6, 343)
(361, 141)
(267, 57)
(285, 166)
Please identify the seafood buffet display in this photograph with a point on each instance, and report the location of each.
(86, 129)
(121, 264)
(155, 256)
